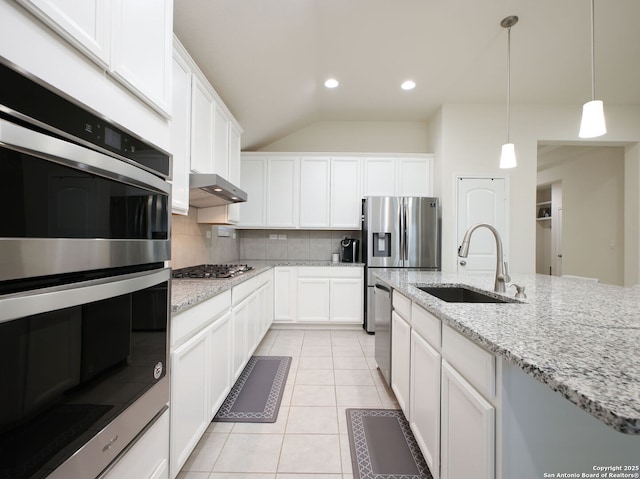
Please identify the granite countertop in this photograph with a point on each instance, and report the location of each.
(578, 337)
(189, 292)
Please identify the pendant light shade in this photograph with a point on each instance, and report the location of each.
(592, 124)
(508, 155)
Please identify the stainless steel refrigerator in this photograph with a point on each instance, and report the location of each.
(397, 232)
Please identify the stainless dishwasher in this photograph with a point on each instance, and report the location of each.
(382, 312)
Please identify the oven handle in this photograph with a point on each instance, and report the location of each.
(27, 303)
(50, 148)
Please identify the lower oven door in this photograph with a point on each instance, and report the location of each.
(82, 372)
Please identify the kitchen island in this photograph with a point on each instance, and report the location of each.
(579, 340)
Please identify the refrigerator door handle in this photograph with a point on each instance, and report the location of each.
(405, 251)
(401, 235)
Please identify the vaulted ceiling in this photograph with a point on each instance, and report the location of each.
(268, 59)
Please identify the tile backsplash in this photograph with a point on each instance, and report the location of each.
(190, 245)
(291, 244)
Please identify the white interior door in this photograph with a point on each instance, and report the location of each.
(482, 200)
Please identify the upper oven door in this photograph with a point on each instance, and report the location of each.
(68, 208)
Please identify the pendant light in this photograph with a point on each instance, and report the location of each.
(592, 124)
(508, 155)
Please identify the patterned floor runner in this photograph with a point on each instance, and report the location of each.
(383, 447)
(256, 395)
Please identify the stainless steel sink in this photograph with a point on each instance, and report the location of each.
(462, 294)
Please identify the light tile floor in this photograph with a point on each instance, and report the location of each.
(332, 370)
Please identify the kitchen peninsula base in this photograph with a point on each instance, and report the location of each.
(543, 433)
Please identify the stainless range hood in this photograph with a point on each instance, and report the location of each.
(207, 190)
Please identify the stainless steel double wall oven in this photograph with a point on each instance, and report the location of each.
(84, 293)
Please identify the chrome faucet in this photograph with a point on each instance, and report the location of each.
(502, 269)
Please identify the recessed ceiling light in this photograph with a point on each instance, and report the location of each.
(331, 83)
(408, 85)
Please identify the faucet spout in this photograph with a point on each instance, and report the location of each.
(502, 269)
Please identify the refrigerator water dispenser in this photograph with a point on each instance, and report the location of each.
(381, 244)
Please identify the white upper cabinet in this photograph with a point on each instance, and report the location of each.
(379, 177)
(213, 136)
(180, 134)
(414, 177)
(411, 176)
(306, 190)
(111, 33)
(235, 134)
(141, 55)
(314, 192)
(202, 108)
(253, 174)
(346, 192)
(86, 25)
(282, 192)
(220, 141)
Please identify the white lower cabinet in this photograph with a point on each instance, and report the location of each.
(319, 294)
(148, 457)
(244, 323)
(446, 382)
(346, 299)
(211, 344)
(219, 362)
(265, 304)
(190, 413)
(401, 361)
(313, 299)
(425, 400)
(240, 318)
(468, 429)
(284, 295)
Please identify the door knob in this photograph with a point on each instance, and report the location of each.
(463, 263)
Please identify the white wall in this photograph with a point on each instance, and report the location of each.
(466, 140)
(471, 139)
(434, 139)
(632, 216)
(592, 213)
(357, 136)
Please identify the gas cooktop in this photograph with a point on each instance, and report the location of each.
(210, 271)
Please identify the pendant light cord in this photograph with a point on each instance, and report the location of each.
(593, 52)
(508, 84)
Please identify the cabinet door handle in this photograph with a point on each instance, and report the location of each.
(463, 263)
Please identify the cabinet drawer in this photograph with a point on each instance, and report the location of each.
(329, 272)
(477, 365)
(186, 324)
(238, 293)
(427, 325)
(149, 455)
(402, 305)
